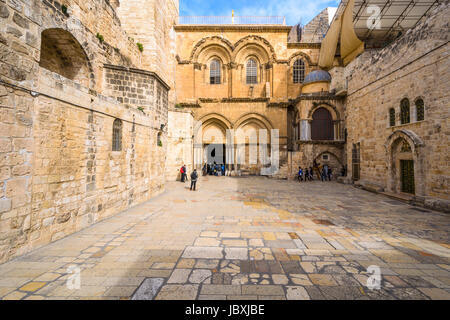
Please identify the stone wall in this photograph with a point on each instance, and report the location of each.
(414, 66)
(179, 143)
(139, 89)
(58, 173)
(151, 22)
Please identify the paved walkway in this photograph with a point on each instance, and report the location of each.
(245, 238)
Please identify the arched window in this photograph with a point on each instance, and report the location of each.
(391, 117)
(251, 71)
(322, 125)
(117, 135)
(214, 72)
(420, 110)
(299, 71)
(404, 111)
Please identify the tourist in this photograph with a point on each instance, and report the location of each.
(223, 170)
(311, 174)
(343, 171)
(300, 174)
(325, 171)
(183, 172)
(194, 177)
(204, 170)
(317, 169)
(330, 174)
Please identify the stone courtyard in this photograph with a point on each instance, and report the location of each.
(246, 238)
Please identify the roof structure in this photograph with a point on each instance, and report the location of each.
(360, 24)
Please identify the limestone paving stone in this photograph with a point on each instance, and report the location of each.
(141, 265)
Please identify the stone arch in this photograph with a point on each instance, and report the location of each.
(213, 41)
(62, 53)
(331, 108)
(256, 40)
(210, 119)
(253, 45)
(319, 154)
(417, 154)
(301, 55)
(253, 117)
(80, 33)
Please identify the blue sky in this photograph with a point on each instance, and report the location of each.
(293, 10)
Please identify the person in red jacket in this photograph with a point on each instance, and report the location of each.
(183, 172)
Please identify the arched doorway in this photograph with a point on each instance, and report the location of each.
(322, 125)
(403, 166)
(405, 163)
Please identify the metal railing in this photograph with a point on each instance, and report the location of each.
(229, 20)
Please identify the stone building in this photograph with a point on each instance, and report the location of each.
(102, 101)
(246, 77)
(83, 117)
(394, 79)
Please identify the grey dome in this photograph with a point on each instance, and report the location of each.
(316, 76)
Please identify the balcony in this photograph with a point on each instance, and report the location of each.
(231, 20)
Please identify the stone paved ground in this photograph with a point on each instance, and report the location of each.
(246, 238)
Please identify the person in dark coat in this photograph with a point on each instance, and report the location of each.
(194, 177)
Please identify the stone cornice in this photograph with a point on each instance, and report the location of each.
(301, 45)
(323, 142)
(318, 96)
(224, 100)
(237, 28)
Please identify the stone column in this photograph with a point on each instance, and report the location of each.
(305, 130)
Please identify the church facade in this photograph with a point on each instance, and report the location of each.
(102, 101)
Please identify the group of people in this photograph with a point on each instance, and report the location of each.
(194, 176)
(323, 172)
(213, 169)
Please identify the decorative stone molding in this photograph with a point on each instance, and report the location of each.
(301, 55)
(300, 45)
(224, 28)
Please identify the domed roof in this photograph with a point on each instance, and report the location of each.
(316, 76)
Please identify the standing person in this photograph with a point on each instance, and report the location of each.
(311, 174)
(325, 171)
(300, 174)
(204, 170)
(317, 169)
(330, 174)
(183, 172)
(194, 177)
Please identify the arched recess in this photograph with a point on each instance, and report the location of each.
(211, 41)
(322, 127)
(247, 50)
(252, 144)
(211, 137)
(265, 123)
(206, 121)
(254, 41)
(63, 54)
(213, 50)
(331, 108)
(398, 146)
(302, 56)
